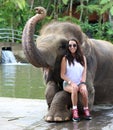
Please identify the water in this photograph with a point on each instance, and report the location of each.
(8, 57)
(21, 81)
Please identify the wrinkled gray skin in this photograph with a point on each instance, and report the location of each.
(48, 53)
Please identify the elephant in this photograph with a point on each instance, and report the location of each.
(46, 53)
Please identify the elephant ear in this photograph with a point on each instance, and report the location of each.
(62, 47)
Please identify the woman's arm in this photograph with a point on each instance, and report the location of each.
(84, 71)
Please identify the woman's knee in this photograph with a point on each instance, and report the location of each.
(75, 89)
(83, 90)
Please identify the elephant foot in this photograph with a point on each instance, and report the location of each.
(58, 116)
(59, 110)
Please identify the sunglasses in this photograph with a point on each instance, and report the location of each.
(72, 45)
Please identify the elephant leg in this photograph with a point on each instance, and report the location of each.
(60, 108)
(51, 87)
(91, 90)
(50, 92)
(91, 95)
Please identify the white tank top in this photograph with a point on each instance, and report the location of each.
(74, 72)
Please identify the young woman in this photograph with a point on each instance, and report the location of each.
(73, 72)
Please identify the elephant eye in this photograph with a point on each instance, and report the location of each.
(63, 45)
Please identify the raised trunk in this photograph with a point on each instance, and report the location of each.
(33, 54)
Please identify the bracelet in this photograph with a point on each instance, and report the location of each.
(82, 83)
(69, 82)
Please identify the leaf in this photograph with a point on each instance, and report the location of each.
(104, 1)
(21, 4)
(65, 1)
(105, 8)
(111, 11)
(2, 19)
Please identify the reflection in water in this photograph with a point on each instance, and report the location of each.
(8, 75)
(8, 78)
(21, 81)
(83, 125)
(102, 120)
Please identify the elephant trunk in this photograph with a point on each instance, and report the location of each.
(33, 54)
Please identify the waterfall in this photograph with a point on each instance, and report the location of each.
(8, 57)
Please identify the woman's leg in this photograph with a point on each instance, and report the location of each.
(84, 93)
(74, 92)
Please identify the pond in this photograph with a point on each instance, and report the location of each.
(21, 81)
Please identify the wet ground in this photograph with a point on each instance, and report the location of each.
(27, 114)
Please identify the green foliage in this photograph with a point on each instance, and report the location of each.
(104, 1)
(15, 13)
(111, 11)
(105, 31)
(68, 18)
(89, 8)
(21, 3)
(107, 5)
(65, 1)
(12, 12)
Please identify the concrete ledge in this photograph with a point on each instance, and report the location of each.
(27, 114)
(18, 114)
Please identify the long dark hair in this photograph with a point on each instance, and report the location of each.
(78, 54)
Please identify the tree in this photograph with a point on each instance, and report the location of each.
(11, 13)
(15, 13)
(107, 7)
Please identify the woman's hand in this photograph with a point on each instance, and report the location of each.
(73, 84)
